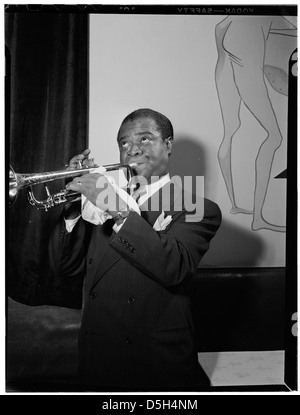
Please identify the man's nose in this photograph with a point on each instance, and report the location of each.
(134, 150)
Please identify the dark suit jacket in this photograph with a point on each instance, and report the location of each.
(137, 331)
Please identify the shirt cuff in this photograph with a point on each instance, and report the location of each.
(116, 227)
(70, 223)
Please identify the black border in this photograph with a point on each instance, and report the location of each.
(291, 383)
(183, 9)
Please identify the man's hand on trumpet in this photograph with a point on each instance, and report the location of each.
(81, 159)
(73, 210)
(98, 189)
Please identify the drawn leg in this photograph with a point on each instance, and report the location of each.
(251, 84)
(230, 102)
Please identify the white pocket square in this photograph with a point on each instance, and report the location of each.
(161, 222)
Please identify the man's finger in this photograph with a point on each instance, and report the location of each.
(73, 163)
(89, 162)
(76, 187)
(88, 178)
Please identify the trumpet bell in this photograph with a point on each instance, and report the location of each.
(13, 186)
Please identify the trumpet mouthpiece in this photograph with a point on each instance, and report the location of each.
(132, 165)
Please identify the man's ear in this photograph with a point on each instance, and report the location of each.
(169, 144)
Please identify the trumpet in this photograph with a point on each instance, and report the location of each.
(19, 181)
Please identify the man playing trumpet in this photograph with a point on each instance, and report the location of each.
(134, 264)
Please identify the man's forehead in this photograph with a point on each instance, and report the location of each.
(138, 126)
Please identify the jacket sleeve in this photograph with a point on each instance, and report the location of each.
(168, 256)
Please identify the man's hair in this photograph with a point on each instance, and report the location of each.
(163, 123)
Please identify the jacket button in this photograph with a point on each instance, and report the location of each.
(128, 340)
(93, 295)
(90, 260)
(131, 300)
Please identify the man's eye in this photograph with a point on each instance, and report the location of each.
(124, 144)
(145, 139)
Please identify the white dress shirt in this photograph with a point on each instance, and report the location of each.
(149, 190)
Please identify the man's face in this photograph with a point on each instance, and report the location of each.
(141, 142)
